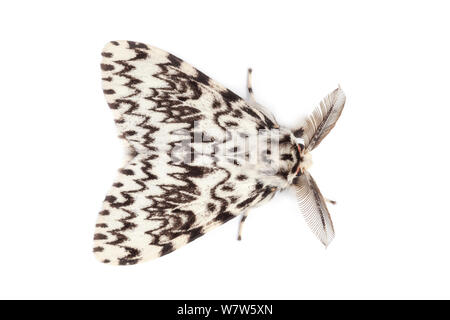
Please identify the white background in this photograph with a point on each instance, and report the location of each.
(386, 162)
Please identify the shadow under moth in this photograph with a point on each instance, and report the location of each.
(198, 155)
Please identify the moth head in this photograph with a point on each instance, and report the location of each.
(305, 158)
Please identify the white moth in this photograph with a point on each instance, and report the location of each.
(199, 155)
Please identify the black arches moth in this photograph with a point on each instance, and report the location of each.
(195, 158)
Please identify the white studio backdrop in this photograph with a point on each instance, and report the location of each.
(386, 162)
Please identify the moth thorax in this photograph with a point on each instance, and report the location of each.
(306, 162)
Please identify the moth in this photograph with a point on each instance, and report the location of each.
(195, 158)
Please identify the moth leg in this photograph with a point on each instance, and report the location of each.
(241, 223)
(330, 201)
(249, 85)
(251, 100)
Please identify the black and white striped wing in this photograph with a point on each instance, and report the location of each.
(157, 204)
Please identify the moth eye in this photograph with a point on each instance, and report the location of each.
(301, 146)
